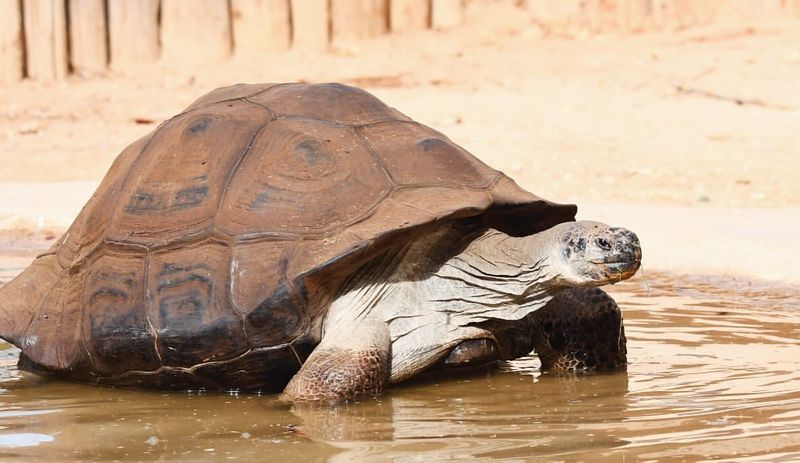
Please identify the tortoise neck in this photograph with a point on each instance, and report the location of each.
(510, 265)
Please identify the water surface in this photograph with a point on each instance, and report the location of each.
(714, 375)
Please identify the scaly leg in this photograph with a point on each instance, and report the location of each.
(579, 330)
(352, 360)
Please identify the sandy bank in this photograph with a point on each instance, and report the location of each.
(748, 242)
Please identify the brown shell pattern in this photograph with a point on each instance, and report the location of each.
(199, 260)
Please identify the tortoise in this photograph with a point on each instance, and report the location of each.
(307, 238)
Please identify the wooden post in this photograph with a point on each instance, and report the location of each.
(409, 15)
(196, 30)
(751, 9)
(87, 36)
(635, 15)
(133, 32)
(260, 26)
(560, 15)
(446, 13)
(681, 13)
(11, 56)
(45, 39)
(310, 24)
(356, 20)
(601, 15)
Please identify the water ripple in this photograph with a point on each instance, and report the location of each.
(714, 374)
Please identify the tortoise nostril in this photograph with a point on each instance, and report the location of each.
(603, 243)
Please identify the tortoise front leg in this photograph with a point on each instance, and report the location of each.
(353, 359)
(579, 331)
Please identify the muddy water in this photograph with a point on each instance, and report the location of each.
(714, 374)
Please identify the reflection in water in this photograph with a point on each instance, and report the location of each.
(714, 375)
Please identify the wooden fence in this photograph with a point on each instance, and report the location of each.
(48, 39)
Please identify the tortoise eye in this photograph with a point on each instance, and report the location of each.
(603, 243)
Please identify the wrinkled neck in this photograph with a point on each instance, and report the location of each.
(518, 265)
(502, 274)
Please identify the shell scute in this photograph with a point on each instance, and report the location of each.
(175, 188)
(302, 177)
(53, 336)
(416, 155)
(189, 305)
(257, 268)
(273, 311)
(336, 103)
(280, 317)
(440, 202)
(228, 94)
(89, 228)
(22, 297)
(115, 328)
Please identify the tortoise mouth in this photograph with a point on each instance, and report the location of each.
(621, 269)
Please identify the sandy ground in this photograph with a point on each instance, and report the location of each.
(691, 138)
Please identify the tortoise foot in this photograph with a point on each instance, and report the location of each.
(580, 331)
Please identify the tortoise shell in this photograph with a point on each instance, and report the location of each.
(209, 253)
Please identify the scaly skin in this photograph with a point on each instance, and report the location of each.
(579, 331)
(345, 365)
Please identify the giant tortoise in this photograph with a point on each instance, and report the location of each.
(306, 239)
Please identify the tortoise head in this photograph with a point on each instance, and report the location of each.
(594, 254)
